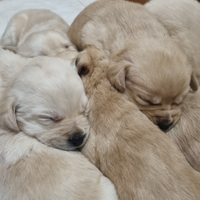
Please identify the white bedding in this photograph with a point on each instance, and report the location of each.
(67, 9)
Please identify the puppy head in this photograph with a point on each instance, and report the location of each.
(43, 43)
(47, 101)
(157, 79)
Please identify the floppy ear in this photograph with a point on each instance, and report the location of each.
(7, 115)
(194, 84)
(117, 75)
(11, 48)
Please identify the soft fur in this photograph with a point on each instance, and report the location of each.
(145, 63)
(185, 31)
(40, 102)
(186, 133)
(35, 32)
(181, 19)
(141, 161)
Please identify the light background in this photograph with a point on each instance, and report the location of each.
(67, 9)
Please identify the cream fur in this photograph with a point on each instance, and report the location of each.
(31, 170)
(28, 168)
(145, 63)
(57, 114)
(141, 161)
(36, 32)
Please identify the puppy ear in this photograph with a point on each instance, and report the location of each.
(11, 48)
(194, 84)
(7, 115)
(117, 75)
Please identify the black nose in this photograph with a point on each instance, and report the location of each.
(77, 139)
(164, 125)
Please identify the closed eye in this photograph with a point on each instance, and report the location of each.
(49, 119)
(177, 103)
(146, 100)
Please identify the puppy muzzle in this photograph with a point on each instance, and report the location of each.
(77, 139)
(165, 125)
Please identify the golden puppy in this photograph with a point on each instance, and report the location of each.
(36, 32)
(181, 19)
(184, 29)
(146, 64)
(141, 161)
(46, 100)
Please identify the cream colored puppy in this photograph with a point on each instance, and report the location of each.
(181, 19)
(145, 63)
(35, 32)
(141, 161)
(46, 101)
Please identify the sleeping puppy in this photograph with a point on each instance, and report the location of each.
(183, 28)
(50, 109)
(35, 32)
(141, 161)
(46, 100)
(149, 67)
(185, 31)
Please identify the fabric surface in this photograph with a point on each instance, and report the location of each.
(67, 9)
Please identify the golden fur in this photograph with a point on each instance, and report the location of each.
(29, 111)
(186, 133)
(184, 29)
(141, 161)
(147, 64)
(36, 32)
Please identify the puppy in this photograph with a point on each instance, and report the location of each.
(149, 67)
(141, 161)
(183, 28)
(40, 103)
(185, 31)
(35, 32)
(57, 115)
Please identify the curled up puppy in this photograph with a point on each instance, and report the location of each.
(45, 103)
(145, 63)
(141, 161)
(184, 29)
(36, 32)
